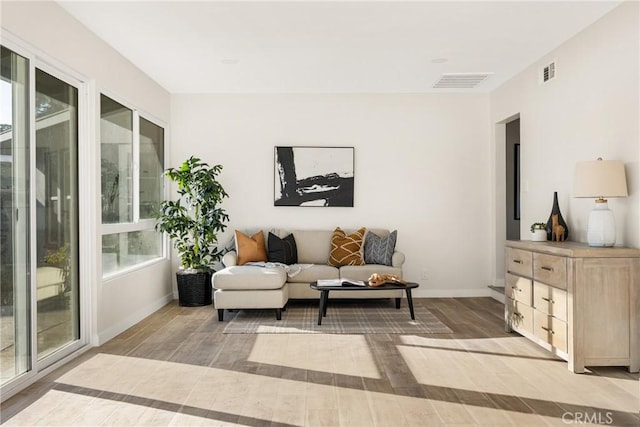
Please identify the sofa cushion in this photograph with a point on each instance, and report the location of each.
(247, 277)
(313, 246)
(346, 249)
(250, 249)
(379, 249)
(315, 272)
(282, 250)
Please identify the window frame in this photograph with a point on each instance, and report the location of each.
(136, 224)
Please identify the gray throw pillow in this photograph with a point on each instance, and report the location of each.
(379, 250)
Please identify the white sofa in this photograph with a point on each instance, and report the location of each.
(248, 286)
(49, 282)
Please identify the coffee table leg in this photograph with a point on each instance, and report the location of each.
(410, 301)
(322, 309)
(398, 303)
(326, 303)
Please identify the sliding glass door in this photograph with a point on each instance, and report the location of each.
(15, 318)
(56, 201)
(39, 238)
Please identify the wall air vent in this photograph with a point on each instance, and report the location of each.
(548, 72)
(460, 80)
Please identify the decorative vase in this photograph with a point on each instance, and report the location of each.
(555, 210)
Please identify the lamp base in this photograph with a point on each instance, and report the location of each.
(601, 230)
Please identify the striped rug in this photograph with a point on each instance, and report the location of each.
(343, 317)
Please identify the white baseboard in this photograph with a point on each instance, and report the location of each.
(132, 319)
(498, 296)
(425, 292)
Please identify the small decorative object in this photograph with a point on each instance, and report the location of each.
(557, 230)
(313, 176)
(599, 179)
(376, 280)
(555, 210)
(539, 232)
(193, 222)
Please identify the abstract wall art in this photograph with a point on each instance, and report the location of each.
(313, 176)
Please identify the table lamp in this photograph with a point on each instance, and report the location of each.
(599, 179)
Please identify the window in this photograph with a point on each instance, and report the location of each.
(132, 162)
(151, 168)
(116, 148)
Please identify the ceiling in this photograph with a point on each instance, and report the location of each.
(332, 46)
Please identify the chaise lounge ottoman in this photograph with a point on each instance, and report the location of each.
(243, 287)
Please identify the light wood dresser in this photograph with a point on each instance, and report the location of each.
(579, 302)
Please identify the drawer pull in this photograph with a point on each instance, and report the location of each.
(548, 300)
(515, 313)
(547, 329)
(517, 261)
(544, 267)
(515, 288)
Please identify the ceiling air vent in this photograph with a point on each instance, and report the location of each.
(460, 80)
(548, 72)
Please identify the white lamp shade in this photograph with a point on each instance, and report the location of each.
(600, 178)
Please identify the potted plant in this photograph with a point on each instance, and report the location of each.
(539, 231)
(193, 222)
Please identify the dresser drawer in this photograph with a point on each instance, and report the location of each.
(550, 300)
(519, 316)
(550, 269)
(518, 288)
(519, 262)
(551, 330)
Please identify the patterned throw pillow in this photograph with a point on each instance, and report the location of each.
(284, 250)
(379, 250)
(346, 249)
(250, 249)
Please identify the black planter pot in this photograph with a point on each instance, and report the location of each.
(194, 289)
(555, 210)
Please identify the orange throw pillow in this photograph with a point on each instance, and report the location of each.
(346, 249)
(250, 249)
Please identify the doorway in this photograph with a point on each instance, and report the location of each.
(512, 179)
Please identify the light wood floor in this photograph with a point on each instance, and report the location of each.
(177, 368)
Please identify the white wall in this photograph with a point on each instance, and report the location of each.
(422, 166)
(590, 110)
(50, 28)
(121, 302)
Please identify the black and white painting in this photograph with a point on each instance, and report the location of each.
(313, 176)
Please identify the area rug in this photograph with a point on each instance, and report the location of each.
(343, 317)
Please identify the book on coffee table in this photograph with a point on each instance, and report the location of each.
(341, 282)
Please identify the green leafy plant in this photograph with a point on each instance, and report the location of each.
(194, 220)
(538, 226)
(60, 258)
